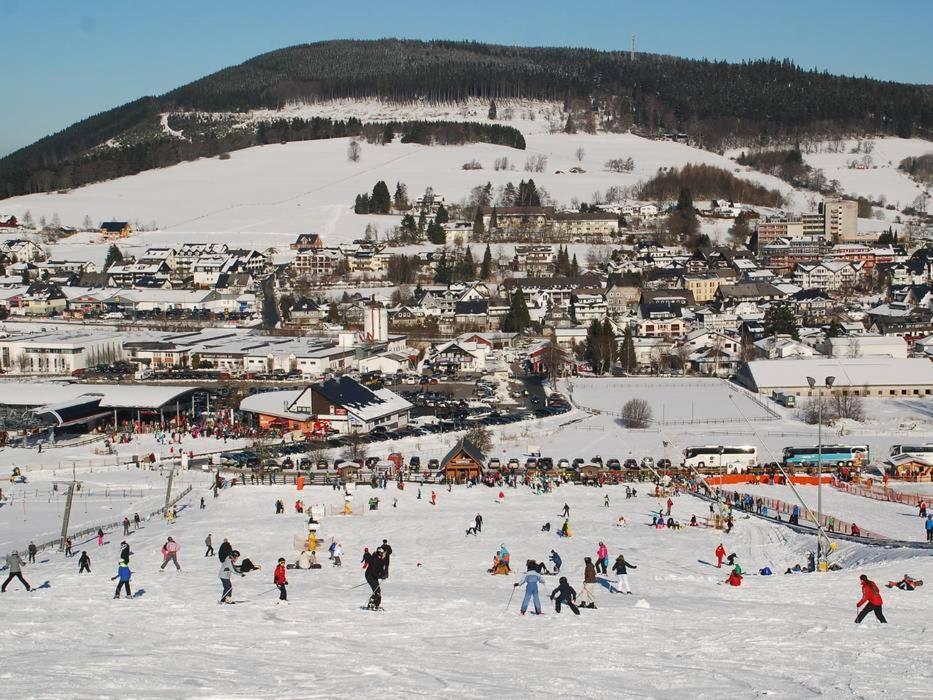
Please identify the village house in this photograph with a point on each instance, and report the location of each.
(115, 229)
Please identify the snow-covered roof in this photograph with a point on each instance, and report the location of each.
(113, 395)
(275, 403)
(849, 372)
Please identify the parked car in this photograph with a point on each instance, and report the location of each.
(631, 463)
(647, 463)
(613, 464)
(664, 463)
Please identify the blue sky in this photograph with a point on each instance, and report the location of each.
(65, 60)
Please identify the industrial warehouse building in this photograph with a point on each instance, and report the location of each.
(882, 377)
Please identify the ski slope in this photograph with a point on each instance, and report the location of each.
(448, 629)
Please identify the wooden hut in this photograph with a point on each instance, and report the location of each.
(464, 462)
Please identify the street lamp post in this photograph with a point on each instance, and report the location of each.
(819, 463)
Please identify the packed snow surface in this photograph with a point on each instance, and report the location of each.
(449, 628)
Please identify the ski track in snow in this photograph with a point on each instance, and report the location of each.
(445, 631)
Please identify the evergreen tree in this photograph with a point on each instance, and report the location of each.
(333, 313)
(113, 256)
(492, 109)
(408, 223)
(388, 134)
(627, 350)
(493, 220)
(468, 265)
(436, 233)
(528, 194)
(478, 228)
(380, 202)
(400, 201)
(444, 273)
(517, 319)
(361, 206)
(574, 267)
(781, 320)
(485, 270)
(570, 127)
(442, 217)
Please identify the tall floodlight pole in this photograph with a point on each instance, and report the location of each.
(819, 462)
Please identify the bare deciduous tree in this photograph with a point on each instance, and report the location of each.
(636, 413)
(579, 153)
(353, 151)
(480, 437)
(847, 406)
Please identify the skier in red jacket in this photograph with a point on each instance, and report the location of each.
(871, 597)
(720, 553)
(278, 578)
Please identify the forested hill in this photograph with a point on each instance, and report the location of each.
(715, 103)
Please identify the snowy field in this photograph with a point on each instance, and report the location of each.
(671, 400)
(448, 629)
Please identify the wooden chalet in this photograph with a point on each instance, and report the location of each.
(464, 462)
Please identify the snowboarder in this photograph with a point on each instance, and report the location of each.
(531, 580)
(564, 595)
(227, 569)
(32, 549)
(565, 530)
(170, 554)
(209, 543)
(125, 552)
(720, 554)
(589, 581)
(84, 563)
(224, 550)
(871, 598)
(124, 574)
(556, 561)
(278, 578)
(621, 567)
(479, 522)
(15, 563)
(374, 568)
(565, 513)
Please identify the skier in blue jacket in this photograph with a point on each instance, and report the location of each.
(531, 580)
(929, 528)
(124, 574)
(556, 560)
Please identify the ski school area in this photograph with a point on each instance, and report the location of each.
(449, 627)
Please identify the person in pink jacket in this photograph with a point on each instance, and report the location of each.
(602, 558)
(170, 554)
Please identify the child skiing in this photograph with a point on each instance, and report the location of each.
(602, 558)
(170, 554)
(227, 569)
(209, 543)
(279, 579)
(720, 553)
(564, 594)
(100, 537)
(15, 562)
(621, 567)
(531, 580)
(124, 574)
(556, 561)
(84, 563)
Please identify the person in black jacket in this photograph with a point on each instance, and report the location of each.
(621, 568)
(374, 569)
(84, 563)
(125, 552)
(479, 522)
(564, 594)
(386, 550)
(224, 550)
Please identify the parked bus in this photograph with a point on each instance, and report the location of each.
(732, 458)
(924, 452)
(832, 455)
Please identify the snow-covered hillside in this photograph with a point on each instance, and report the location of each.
(451, 629)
